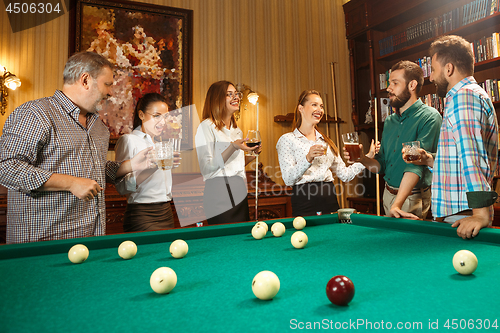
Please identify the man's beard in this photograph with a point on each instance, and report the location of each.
(441, 86)
(400, 100)
(101, 105)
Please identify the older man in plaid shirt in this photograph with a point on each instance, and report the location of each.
(467, 153)
(53, 158)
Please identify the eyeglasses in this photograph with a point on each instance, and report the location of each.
(156, 116)
(232, 95)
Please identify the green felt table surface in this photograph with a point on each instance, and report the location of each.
(402, 271)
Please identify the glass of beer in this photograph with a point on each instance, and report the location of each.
(163, 154)
(324, 146)
(253, 141)
(411, 151)
(351, 144)
(176, 146)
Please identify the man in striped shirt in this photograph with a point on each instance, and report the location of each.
(53, 158)
(466, 158)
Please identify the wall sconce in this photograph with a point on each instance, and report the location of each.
(10, 81)
(252, 97)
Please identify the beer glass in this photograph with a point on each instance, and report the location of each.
(411, 151)
(351, 144)
(163, 154)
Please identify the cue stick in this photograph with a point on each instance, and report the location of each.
(326, 116)
(332, 70)
(377, 179)
(257, 172)
(328, 126)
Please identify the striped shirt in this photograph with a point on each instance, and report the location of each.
(467, 151)
(43, 137)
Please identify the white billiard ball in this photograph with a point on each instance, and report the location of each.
(78, 253)
(263, 224)
(127, 250)
(465, 262)
(178, 249)
(265, 285)
(299, 223)
(278, 229)
(258, 232)
(299, 239)
(163, 280)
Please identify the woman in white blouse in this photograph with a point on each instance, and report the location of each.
(220, 148)
(148, 193)
(304, 164)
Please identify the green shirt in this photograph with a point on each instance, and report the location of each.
(419, 122)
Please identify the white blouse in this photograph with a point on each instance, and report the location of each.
(210, 143)
(157, 187)
(295, 169)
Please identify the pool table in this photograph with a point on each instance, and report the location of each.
(402, 271)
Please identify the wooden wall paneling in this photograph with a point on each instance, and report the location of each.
(278, 48)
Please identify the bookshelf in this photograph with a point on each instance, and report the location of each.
(412, 26)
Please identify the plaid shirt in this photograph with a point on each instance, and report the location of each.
(467, 151)
(43, 137)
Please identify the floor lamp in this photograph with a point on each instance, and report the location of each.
(253, 98)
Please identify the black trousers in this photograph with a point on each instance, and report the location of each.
(217, 200)
(148, 217)
(316, 198)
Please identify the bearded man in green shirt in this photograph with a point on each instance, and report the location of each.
(407, 186)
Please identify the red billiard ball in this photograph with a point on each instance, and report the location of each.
(340, 290)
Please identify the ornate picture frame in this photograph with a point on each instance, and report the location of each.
(151, 47)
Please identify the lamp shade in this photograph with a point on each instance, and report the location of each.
(12, 82)
(253, 97)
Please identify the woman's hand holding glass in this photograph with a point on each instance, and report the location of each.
(316, 150)
(241, 144)
(143, 160)
(253, 140)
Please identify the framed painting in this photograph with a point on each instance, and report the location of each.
(151, 48)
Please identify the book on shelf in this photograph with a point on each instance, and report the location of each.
(425, 64)
(495, 42)
(434, 101)
(491, 87)
(384, 79)
(385, 108)
(494, 7)
(486, 48)
(439, 25)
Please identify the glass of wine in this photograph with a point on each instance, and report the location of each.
(253, 141)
